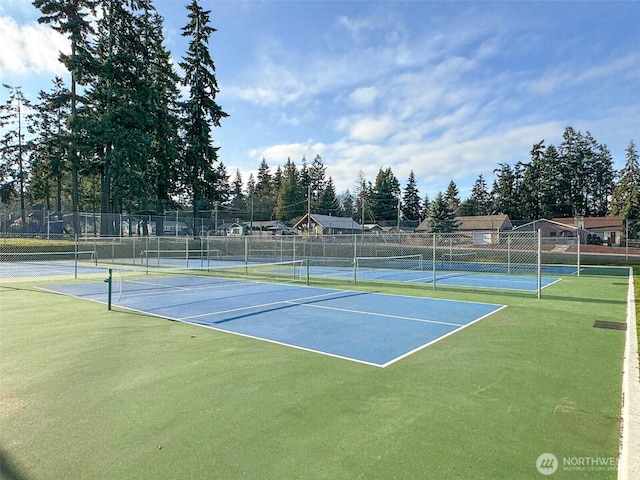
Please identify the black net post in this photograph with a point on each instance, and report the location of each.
(109, 288)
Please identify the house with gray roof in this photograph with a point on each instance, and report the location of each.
(316, 224)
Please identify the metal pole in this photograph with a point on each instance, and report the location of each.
(578, 248)
(539, 273)
(75, 262)
(109, 288)
(626, 239)
(434, 261)
(355, 258)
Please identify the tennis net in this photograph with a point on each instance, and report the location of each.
(386, 266)
(43, 264)
(146, 281)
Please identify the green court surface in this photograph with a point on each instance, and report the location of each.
(92, 394)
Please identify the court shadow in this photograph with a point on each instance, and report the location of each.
(9, 470)
(563, 298)
(285, 305)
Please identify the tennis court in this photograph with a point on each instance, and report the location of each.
(370, 328)
(502, 281)
(289, 373)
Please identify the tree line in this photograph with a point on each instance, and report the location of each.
(123, 138)
(575, 178)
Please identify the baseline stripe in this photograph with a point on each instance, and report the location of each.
(363, 312)
(262, 305)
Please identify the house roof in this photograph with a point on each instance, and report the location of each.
(531, 225)
(484, 222)
(372, 226)
(228, 225)
(478, 222)
(581, 223)
(327, 221)
(593, 223)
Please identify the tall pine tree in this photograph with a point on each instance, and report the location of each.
(71, 17)
(411, 202)
(625, 201)
(201, 111)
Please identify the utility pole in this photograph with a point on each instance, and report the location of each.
(309, 209)
(215, 219)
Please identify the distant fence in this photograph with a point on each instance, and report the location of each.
(435, 261)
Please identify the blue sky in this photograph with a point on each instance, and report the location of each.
(446, 89)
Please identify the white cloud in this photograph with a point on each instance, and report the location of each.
(372, 129)
(30, 49)
(363, 96)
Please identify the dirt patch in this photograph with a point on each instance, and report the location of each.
(8, 405)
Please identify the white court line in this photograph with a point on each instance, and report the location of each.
(442, 337)
(284, 344)
(161, 286)
(386, 315)
(270, 304)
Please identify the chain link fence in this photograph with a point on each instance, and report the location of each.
(516, 261)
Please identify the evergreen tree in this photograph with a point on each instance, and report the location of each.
(201, 110)
(411, 203)
(601, 181)
(119, 117)
(218, 190)
(265, 194)
(479, 203)
(426, 205)
(504, 191)
(441, 216)
(49, 158)
(347, 204)
(317, 181)
(363, 199)
(71, 17)
(251, 190)
(238, 201)
(625, 200)
(533, 184)
(291, 198)
(13, 162)
(164, 109)
(305, 180)
(452, 197)
(328, 204)
(385, 196)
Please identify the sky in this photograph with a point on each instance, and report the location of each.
(448, 90)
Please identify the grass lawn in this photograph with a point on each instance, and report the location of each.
(92, 394)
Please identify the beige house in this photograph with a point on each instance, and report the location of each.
(590, 230)
(484, 229)
(316, 224)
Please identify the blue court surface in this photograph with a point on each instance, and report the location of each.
(370, 328)
(17, 270)
(502, 281)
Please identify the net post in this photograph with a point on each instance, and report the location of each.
(509, 235)
(578, 253)
(433, 267)
(75, 261)
(355, 258)
(539, 266)
(186, 248)
(109, 282)
(307, 262)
